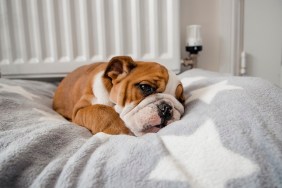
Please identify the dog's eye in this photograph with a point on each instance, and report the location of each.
(146, 89)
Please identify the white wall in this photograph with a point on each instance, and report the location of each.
(225, 36)
(205, 13)
(263, 39)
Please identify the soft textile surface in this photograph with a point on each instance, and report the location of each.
(230, 136)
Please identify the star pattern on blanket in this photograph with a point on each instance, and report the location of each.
(208, 93)
(17, 89)
(48, 116)
(201, 159)
(189, 81)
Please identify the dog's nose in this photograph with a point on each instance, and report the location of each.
(165, 111)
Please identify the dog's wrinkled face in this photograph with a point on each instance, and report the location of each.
(147, 96)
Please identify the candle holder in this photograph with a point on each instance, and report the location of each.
(193, 47)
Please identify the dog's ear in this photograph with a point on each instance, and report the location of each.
(119, 67)
(179, 93)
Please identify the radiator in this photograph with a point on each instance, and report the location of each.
(49, 38)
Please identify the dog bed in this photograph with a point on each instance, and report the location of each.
(229, 136)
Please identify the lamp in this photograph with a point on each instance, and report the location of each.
(194, 45)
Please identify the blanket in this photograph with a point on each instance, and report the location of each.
(229, 136)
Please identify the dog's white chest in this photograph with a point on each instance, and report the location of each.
(100, 91)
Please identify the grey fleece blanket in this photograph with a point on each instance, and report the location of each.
(229, 136)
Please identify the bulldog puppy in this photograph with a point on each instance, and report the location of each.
(121, 97)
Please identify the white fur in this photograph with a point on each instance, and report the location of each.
(100, 91)
(145, 113)
(173, 82)
(118, 108)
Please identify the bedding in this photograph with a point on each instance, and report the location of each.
(229, 136)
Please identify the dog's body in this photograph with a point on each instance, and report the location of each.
(120, 97)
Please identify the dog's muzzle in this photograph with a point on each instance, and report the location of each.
(165, 113)
(152, 114)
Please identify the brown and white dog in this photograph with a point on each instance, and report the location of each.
(121, 97)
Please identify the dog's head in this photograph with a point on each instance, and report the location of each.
(147, 95)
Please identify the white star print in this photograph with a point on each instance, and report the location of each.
(207, 94)
(170, 170)
(201, 160)
(188, 81)
(48, 116)
(17, 89)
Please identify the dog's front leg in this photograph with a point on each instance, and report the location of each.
(98, 118)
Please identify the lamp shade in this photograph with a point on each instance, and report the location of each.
(194, 35)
